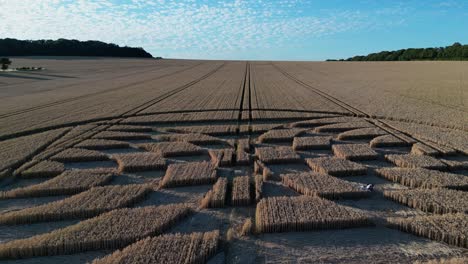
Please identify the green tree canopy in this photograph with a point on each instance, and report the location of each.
(456, 51)
(66, 47)
(5, 63)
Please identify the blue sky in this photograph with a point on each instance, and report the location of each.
(256, 30)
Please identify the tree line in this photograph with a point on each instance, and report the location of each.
(65, 47)
(455, 52)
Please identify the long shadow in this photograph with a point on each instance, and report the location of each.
(78, 258)
(186, 194)
(22, 77)
(359, 245)
(49, 75)
(8, 233)
(331, 113)
(21, 203)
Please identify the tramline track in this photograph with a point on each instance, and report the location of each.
(55, 149)
(246, 92)
(139, 108)
(334, 100)
(355, 111)
(133, 111)
(162, 97)
(244, 87)
(153, 101)
(250, 96)
(27, 110)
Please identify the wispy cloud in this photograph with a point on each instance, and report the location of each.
(449, 4)
(182, 28)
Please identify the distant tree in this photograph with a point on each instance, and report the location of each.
(66, 47)
(428, 54)
(5, 63)
(455, 52)
(411, 54)
(465, 52)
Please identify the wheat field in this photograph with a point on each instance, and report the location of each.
(187, 161)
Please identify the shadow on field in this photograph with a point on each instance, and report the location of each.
(49, 75)
(8, 75)
(355, 245)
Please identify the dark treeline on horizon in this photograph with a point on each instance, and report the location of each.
(65, 47)
(455, 52)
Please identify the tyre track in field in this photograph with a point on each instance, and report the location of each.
(243, 88)
(68, 143)
(128, 113)
(250, 98)
(399, 94)
(255, 93)
(241, 105)
(355, 111)
(133, 111)
(324, 95)
(31, 109)
(148, 104)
